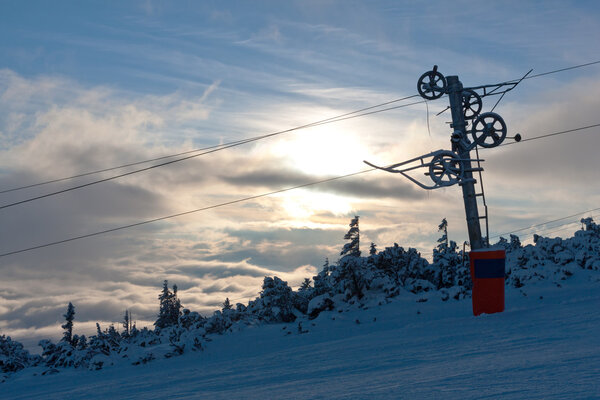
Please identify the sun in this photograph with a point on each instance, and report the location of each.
(319, 153)
(322, 151)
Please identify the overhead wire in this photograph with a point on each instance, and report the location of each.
(508, 90)
(562, 70)
(247, 199)
(545, 231)
(223, 147)
(231, 144)
(546, 223)
(336, 118)
(552, 134)
(527, 76)
(183, 213)
(560, 227)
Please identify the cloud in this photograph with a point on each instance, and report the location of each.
(356, 186)
(223, 253)
(162, 88)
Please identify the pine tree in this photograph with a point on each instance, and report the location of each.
(169, 307)
(305, 285)
(351, 274)
(447, 260)
(442, 246)
(352, 248)
(164, 309)
(82, 343)
(350, 266)
(127, 324)
(443, 227)
(13, 356)
(276, 300)
(227, 304)
(175, 307)
(515, 242)
(68, 325)
(321, 280)
(113, 337)
(373, 249)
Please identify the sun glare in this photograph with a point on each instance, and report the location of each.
(322, 151)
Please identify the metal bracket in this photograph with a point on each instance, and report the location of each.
(445, 168)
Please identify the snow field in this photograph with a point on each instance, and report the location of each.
(539, 348)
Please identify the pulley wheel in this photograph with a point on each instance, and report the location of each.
(432, 85)
(489, 130)
(446, 169)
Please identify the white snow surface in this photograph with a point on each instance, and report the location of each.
(546, 345)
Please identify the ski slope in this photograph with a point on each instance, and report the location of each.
(546, 345)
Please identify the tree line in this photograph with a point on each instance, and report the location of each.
(350, 280)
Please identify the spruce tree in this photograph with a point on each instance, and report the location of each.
(227, 304)
(169, 307)
(350, 264)
(164, 299)
(127, 323)
(68, 325)
(13, 356)
(321, 280)
(352, 248)
(175, 308)
(305, 285)
(373, 249)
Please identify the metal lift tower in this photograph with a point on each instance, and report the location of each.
(449, 167)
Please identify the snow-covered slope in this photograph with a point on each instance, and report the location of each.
(545, 345)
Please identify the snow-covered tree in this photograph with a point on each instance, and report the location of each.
(13, 356)
(515, 242)
(301, 298)
(169, 307)
(352, 248)
(305, 285)
(321, 280)
(218, 323)
(446, 259)
(400, 265)
(589, 225)
(275, 303)
(80, 342)
(373, 249)
(127, 324)
(444, 228)
(175, 310)
(350, 276)
(97, 343)
(68, 325)
(227, 304)
(191, 319)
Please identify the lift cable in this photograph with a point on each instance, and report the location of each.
(336, 118)
(247, 199)
(551, 134)
(223, 147)
(546, 223)
(328, 120)
(183, 213)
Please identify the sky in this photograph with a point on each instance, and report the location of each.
(91, 85)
